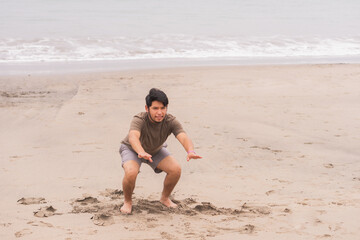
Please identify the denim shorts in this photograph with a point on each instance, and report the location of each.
(128, 154)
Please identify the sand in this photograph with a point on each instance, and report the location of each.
(280, 147)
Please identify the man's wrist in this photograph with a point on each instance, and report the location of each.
(141, 152)
(191, 151)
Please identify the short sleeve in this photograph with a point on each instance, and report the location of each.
(137, 123)
(176, 127)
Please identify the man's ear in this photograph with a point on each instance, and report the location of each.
(146, 108)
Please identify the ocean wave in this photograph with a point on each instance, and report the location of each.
(172, 46)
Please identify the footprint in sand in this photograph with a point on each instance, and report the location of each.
(325, 236)
(209, 209)
(248, 229)
(103, 210)
(87, 204)
(5, 224)
(166, 235)
(87, 200)
(243, 139)
(270, 192)
(23, 232)
(40, 224)
(329, 165)
(151, 207)
(46, 212)
(267, 148)
(31, 200)
(287, 210)
(103, 219)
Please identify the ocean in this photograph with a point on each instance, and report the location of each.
(65, 31)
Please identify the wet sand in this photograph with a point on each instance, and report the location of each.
(280, 147)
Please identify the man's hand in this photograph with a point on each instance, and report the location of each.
(192, 155)
(145, 156)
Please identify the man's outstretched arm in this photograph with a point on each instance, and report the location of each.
(188, 145)
(134, 139)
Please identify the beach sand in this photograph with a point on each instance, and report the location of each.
(280, 147)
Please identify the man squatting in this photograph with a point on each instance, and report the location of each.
(145, 142)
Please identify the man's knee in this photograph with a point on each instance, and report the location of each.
(175, 170)
(131, 174)
(131, 170)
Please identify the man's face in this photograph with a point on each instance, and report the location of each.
(156, 111)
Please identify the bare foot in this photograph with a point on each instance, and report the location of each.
(126, 208)
(168, 203)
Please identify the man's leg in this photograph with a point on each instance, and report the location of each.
(131, 169)
(173, 172)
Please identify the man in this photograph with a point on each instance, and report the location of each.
(145, 142)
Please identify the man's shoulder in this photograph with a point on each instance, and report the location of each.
(170, 117)
(139, 119)
(174, 124)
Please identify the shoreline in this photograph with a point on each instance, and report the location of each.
(43, 68)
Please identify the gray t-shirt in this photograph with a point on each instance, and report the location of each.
(153, 135)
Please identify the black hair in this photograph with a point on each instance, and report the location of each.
(156, 95)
